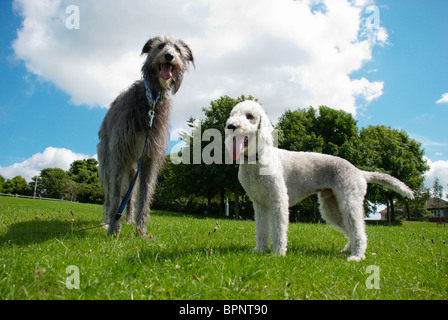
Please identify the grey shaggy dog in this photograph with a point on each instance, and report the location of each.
(122, 133)
(275, 179)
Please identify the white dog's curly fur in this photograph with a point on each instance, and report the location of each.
(275, 179)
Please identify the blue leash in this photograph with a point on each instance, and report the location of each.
(152, 97)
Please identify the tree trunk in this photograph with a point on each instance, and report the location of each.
(388, 211)
(408, 211)
(237, 206)
(392, 209)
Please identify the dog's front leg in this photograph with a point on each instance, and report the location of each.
(280, 221)
(261, 227)
(148, 179)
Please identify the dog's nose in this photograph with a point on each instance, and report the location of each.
(169, 57)
(231, 127)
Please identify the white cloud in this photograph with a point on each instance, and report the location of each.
(50, 158)
(444, 98)
(286, 53)
(438, 169)
(382, 36)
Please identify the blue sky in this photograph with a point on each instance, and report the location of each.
(55, 84)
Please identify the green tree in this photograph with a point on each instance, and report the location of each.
(417, 207)
(297, 131)
(84, 171)
(16, 185)
(2, 182)
(437, 192)
(391, 151)
(324, 130)
(437, 189)
(86, 186)
(55, 183)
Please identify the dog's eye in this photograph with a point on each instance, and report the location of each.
(177, 48)
(160, 47)
(249, 116)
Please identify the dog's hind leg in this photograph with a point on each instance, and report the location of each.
(106, 204)
(353, 210)
(358, 240)
(103, 157)
(116, 195)
(331, 213)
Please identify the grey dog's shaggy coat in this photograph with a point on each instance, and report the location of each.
(278, 178)
(123, 130)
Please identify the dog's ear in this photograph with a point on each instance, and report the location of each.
(178, 77)
(147, 46)
(189, 55)
(265, 130)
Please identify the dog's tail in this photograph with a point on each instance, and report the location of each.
(390, 182)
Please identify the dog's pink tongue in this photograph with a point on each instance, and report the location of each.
(238, 146)
(165, 73)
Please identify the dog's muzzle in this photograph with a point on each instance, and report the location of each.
(166, 69)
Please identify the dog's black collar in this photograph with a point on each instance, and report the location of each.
(152, 96)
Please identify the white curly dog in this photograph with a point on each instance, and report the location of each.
(275, 179)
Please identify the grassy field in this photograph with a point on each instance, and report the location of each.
(188, 257)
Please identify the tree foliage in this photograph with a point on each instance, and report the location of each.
(324, 130)
(391, 151)
(80, 183)
(54, 183)
(16, 185)
(85, 174)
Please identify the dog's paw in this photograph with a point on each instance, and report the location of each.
(281, 253)
(356, 258)
(114, 228)
(140, 231)
(259, 249)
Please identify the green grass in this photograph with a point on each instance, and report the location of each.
(190, 257)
